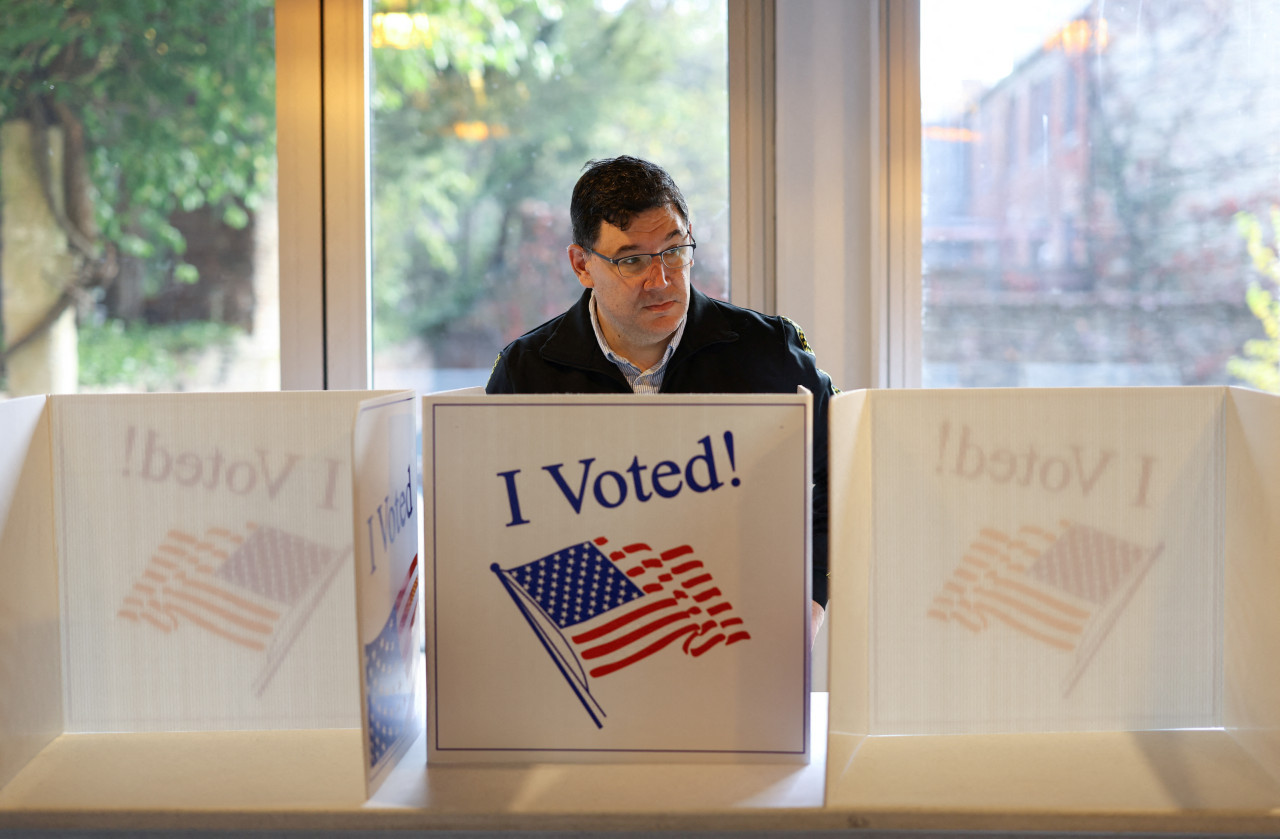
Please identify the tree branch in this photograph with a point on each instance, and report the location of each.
(50, 318)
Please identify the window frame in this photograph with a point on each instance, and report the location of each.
(848, 185)
(840, 254)
(323, 138)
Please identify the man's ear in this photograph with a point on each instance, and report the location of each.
(578, 262)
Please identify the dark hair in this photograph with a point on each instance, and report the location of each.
(616, 189)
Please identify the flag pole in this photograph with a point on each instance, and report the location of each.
(293, 622)
(584, 695)
(1089, 646)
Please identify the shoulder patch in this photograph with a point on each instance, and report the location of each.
(804, 342)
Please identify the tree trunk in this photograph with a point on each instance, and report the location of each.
(37, 267)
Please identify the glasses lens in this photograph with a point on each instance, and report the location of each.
(634, 266)
(678, 257)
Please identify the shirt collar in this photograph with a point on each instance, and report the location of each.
(631, 371)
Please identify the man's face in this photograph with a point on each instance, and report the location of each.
(637, 314)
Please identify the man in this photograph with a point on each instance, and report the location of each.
(640, 327)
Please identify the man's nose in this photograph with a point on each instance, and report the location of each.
(656, 277)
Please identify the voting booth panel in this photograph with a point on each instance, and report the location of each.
(617, 580)
(1065, 597)
(1251, 619)
(175, 564)
(384, 464)
(202, 724)
(30, 632)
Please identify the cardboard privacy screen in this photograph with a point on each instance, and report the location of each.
(617, 579)
(175, 563)
(387, 571)
(1023, 561)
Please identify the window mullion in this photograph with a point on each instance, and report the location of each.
(751, 154)
(348, 330)
(300, 182)
(901, 309)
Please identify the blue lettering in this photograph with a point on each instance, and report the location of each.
(574, 500)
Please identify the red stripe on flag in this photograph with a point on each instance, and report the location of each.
(1022, 627)
(633, 636)
(675, 552)
(408, 575)
(214, 628)
(704, 596)
(606, 669)
(617, 623)
(696, 581)
(225, 614)
(686, 566)
(261, 611)
(155, 621)
(697, 651)
(1039, 616)
(410, 612)
(1043, 597)
(638, 546)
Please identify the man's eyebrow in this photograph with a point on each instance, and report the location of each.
(676, 233)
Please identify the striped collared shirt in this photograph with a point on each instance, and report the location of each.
(641, 381)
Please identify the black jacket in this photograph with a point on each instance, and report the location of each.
(724, 349)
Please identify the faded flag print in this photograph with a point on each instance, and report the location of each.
(254, 589)
(1063, 588)
(598, 614)
(390, 687)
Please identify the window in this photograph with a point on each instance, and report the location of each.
(137, 175)
(1124, 232)
(481, 120)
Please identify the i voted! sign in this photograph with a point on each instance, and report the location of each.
(617, 578)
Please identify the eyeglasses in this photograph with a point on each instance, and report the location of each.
(633, 265)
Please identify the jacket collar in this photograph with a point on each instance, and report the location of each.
(573, 341)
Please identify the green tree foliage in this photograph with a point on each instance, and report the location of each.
(165, 105)
(1260, 365)
(483, 118)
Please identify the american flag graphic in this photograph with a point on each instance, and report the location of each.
(390, 687)
(1064, 588)
(596, 614)
(254, 588)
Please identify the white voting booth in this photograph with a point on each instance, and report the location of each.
(177, 614)
(214, 603)
(1056, 609)
(641, 569)
(1050, 610)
